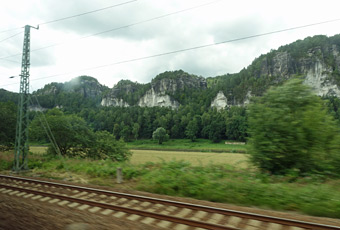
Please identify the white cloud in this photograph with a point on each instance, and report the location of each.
(220, 21)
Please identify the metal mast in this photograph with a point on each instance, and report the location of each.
(21, 138)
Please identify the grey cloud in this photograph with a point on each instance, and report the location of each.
(239, 29)
(42, 58)
(100, 21)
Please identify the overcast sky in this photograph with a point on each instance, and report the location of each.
(71, 54)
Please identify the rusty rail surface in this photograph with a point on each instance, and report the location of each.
(227, 212)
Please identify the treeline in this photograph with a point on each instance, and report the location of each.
(191, 121)
(186, 122)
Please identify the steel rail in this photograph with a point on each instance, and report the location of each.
(173, 219)
(244, 215)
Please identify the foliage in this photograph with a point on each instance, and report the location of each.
(129, 91)
(106, 147)
(70, 131)
(160, 135)
(192, 128)
(236, 124)
(8, 113)
(290, 130)
(81, 92)
(75, 138)
(243, 187)
(200, 145)
(313, 195)
(135, 130)
(7, 96)
(333, 104)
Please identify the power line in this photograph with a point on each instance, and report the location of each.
(73, 16)
(14, 35)
(5, 59)
(183, 50)
(8, 30)
(57, 20)
(89, 12)
(121, 27)
(11, 36)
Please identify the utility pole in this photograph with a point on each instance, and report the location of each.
(21, 138)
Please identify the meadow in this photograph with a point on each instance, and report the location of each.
(199, 145)
(218, 177)
(237, 160)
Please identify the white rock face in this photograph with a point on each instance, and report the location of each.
(316, 77)
(114, 102)
(36, 108)
(152, 99)
(247, 100)
(220, 101)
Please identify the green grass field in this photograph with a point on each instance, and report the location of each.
(218, 177)
(139, 157)
(237, 160)
(38, 149)
(200, 145)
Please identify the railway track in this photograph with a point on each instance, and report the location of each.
(158, 212)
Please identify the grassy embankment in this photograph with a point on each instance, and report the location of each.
(236, 182)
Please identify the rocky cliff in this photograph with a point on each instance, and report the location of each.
(170, 83)
(153, 98)
(220, 101)
(111, 101)
(316, 59)
(80, 91)
(84, 85)
(160, 92)
(175, 81)
(313, 67)
(124, 89)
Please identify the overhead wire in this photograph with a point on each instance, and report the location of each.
(5, 59)
(89, 12)
(121, 27)
(44, 123)
(182, 50)
(12, 36)
(62, 19)
(73, 16)
(8, 30)
(47, 128)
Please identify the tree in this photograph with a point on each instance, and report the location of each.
(160, 135)
(75, 138)
(69, 131)
(135, 130)
(125, 133)
(236, 124)
(192, 129)
(8, 122)
(116, 131)
(290, 130)
(216, 129)
(106, 147)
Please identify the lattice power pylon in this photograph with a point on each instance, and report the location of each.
(21, 138)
